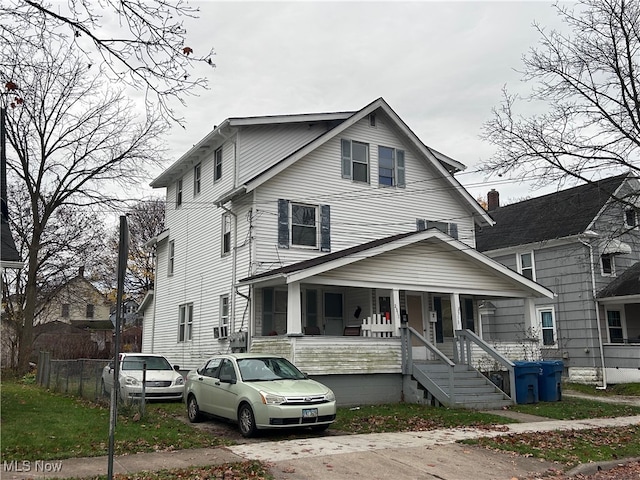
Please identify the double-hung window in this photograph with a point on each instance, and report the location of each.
(197, 172)
(546, 317)
(304, 225)
(171, 257)
(608, 264)
(185, 322)
(355, 160)
(223, 324)
(179, 193)
(65, 310)
(217, 165)
(226, 233)
(526, 266)
(90, 310)
(614, 323)
(391, 171)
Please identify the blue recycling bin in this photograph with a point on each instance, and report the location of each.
(550, 380)
(526, 374)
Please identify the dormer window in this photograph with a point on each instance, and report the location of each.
(630, 218)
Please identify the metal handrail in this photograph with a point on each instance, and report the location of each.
(463, 355)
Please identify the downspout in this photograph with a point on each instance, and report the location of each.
(595, 301)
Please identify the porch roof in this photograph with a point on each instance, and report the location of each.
(624, 287)
(425, 260)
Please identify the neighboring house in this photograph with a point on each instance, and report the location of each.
(80, 304)
(583, 244)
(319, 237)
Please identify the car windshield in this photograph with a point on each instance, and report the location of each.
(267, 369)
(153, 363)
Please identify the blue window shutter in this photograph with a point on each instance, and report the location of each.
(325, 228)
(346, 158)
(453, 230)
(283, 223)
(401, 177)
(420, 224)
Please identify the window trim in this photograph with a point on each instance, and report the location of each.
(539, 311)
(217, 165)
(185, 322)
(171, 256)
(623, 322)
(398, 180)
(197, 179)
(347, 162)
(316, 221)
(533, 265)
(179, 192)
(225, 237)
(222, 331)
(612, 259)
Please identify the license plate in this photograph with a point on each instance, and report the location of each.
(309, 413)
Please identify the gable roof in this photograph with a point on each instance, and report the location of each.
(332, 261)
(552, 216)
(9, 255)
(337, 123)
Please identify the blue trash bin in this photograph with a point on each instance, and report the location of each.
(550, 380)
(526, 374)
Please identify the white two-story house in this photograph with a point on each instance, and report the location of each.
(319, 237)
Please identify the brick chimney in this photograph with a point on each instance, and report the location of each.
(493, 199)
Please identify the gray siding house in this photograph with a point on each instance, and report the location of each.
(338, 240)
(581, 243)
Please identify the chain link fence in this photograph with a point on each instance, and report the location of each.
(81, 377)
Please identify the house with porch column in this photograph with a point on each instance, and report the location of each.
(340, 241)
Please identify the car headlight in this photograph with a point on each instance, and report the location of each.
(330, 397)
(179, 381)
(130, 381)
(271, 399)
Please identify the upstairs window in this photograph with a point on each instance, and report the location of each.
(303, 225)
(355, 161)
(89, 310)
(171, 256)
(179, 193)
(391, 167)
(608, 264)
(197, 171)
(226, 233)
(217, 165)
(525, 265)
(450, 229)
(630, 218)
(65, 310)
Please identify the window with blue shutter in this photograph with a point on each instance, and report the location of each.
(355, 160)
(283, 223)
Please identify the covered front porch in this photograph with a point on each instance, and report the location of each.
(342, 314)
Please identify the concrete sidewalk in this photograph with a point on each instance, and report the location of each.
(406, 455)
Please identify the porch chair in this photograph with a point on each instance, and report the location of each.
(352, 330)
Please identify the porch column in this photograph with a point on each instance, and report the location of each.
(530, 321)
(395, 311)
(294, 310)
(456, 311)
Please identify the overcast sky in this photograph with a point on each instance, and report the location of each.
(440, 65)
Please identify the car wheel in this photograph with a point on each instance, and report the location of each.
(320, 428)
(193, 411)
(246, 421)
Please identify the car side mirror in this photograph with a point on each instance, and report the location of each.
(227, 379)
(176, 368)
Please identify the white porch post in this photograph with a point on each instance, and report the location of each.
(395, 311)
(456, 311)
(294, 310)
(529, 315)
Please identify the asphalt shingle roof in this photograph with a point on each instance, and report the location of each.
(626, 284)
(555, 215)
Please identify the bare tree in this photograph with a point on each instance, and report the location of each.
(140, 42)
(586, 83)
(75, 140)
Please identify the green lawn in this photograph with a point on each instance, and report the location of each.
(572, 408)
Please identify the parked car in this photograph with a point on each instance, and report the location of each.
(163, 382)
(258, 392)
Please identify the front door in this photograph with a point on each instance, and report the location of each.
(333, 314)
(416, 321)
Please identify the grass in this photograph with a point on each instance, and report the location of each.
(630, 389)
(572, 408)
(39, 425)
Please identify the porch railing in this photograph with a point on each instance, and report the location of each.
(377, 326)
(408, 334)
(463, 354)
